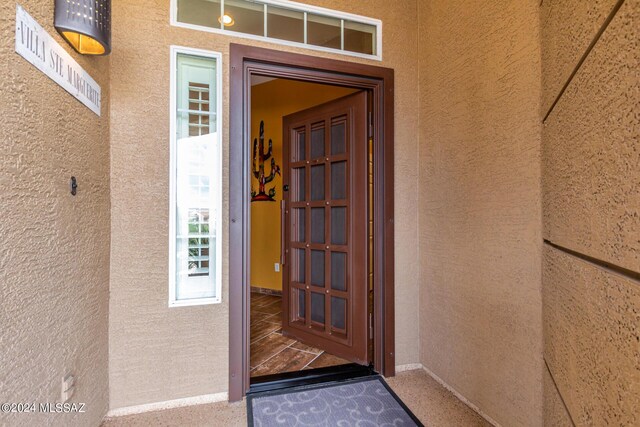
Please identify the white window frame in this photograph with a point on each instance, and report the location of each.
(301, 7)
(217, 298)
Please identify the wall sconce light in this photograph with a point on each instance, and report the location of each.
(85, 25)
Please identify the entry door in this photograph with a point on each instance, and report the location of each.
(325, 227)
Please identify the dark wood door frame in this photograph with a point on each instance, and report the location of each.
(246, 61)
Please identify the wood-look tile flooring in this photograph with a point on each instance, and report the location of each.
(273, 353)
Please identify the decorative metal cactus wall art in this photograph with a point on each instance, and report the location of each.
(259, 158)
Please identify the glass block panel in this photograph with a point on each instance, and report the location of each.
(339, 180)
(243, 17)
(339, 271)
(301, 303)
(297, 186)
(317, 142)
(298, 224)
(359, 37)
(285, 24)
(199, 12)
(317, 182)
(339, 226)
(298, 148)
(298, 265)
(323, 31)
(317, 268)
(317, 307)
(338, 138)
(338, 312)
(317, 225)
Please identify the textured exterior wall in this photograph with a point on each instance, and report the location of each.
(480, 213)
(157, 353)
(270, 102)
(591, 204)
(592, 339)
(54, 248)
(554, 409)
(563, 45)
(591, 150)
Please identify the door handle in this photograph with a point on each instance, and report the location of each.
(282, 233)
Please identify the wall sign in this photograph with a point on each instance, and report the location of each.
(35, 45)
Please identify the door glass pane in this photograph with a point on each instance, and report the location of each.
(285, 24)
(298, 265)
(323, 31)
(301, 303)
(317, 225)
(317, 268)
(339, 226)
(339, 180)
(297, 187)
(338, 312)
(317, 182)
(317, 307)
(298, 146)
(317, 142)
(338, 138)
(359, 37)
(199, 12)
(243, 17)
(339, 271)
(298, 225)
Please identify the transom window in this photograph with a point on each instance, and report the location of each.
(284, 22)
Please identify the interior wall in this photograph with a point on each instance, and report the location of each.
(270, 102)
(591, 201)
(158, 353)
(480, 204)
(54, 247)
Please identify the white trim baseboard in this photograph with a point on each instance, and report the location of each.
(168, 404)
(461, 397)
(408, 367)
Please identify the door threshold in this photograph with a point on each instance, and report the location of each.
(309, 377)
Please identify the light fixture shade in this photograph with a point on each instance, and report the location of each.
(85, 25)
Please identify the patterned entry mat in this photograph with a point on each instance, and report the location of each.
(360, 402)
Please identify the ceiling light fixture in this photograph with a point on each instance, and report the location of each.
(226, 20)
(85, 25)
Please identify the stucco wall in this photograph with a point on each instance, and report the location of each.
(480, 209)
(158, 353)
(591, 202)
(54, 248)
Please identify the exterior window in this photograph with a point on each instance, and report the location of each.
(284, 22)
(196, 190)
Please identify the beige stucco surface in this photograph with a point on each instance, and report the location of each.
(480, 213)
(54, 248)
(591, 151)
(591, 319)
(568, 27)
(159, 353)
(554, 411)
(591, 204)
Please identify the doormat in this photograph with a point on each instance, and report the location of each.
(360, 402)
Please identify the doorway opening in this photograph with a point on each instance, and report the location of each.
(311, 210)
(292, 229)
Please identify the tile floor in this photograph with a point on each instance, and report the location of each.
(273, 353)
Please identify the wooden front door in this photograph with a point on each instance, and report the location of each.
(325, 227)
